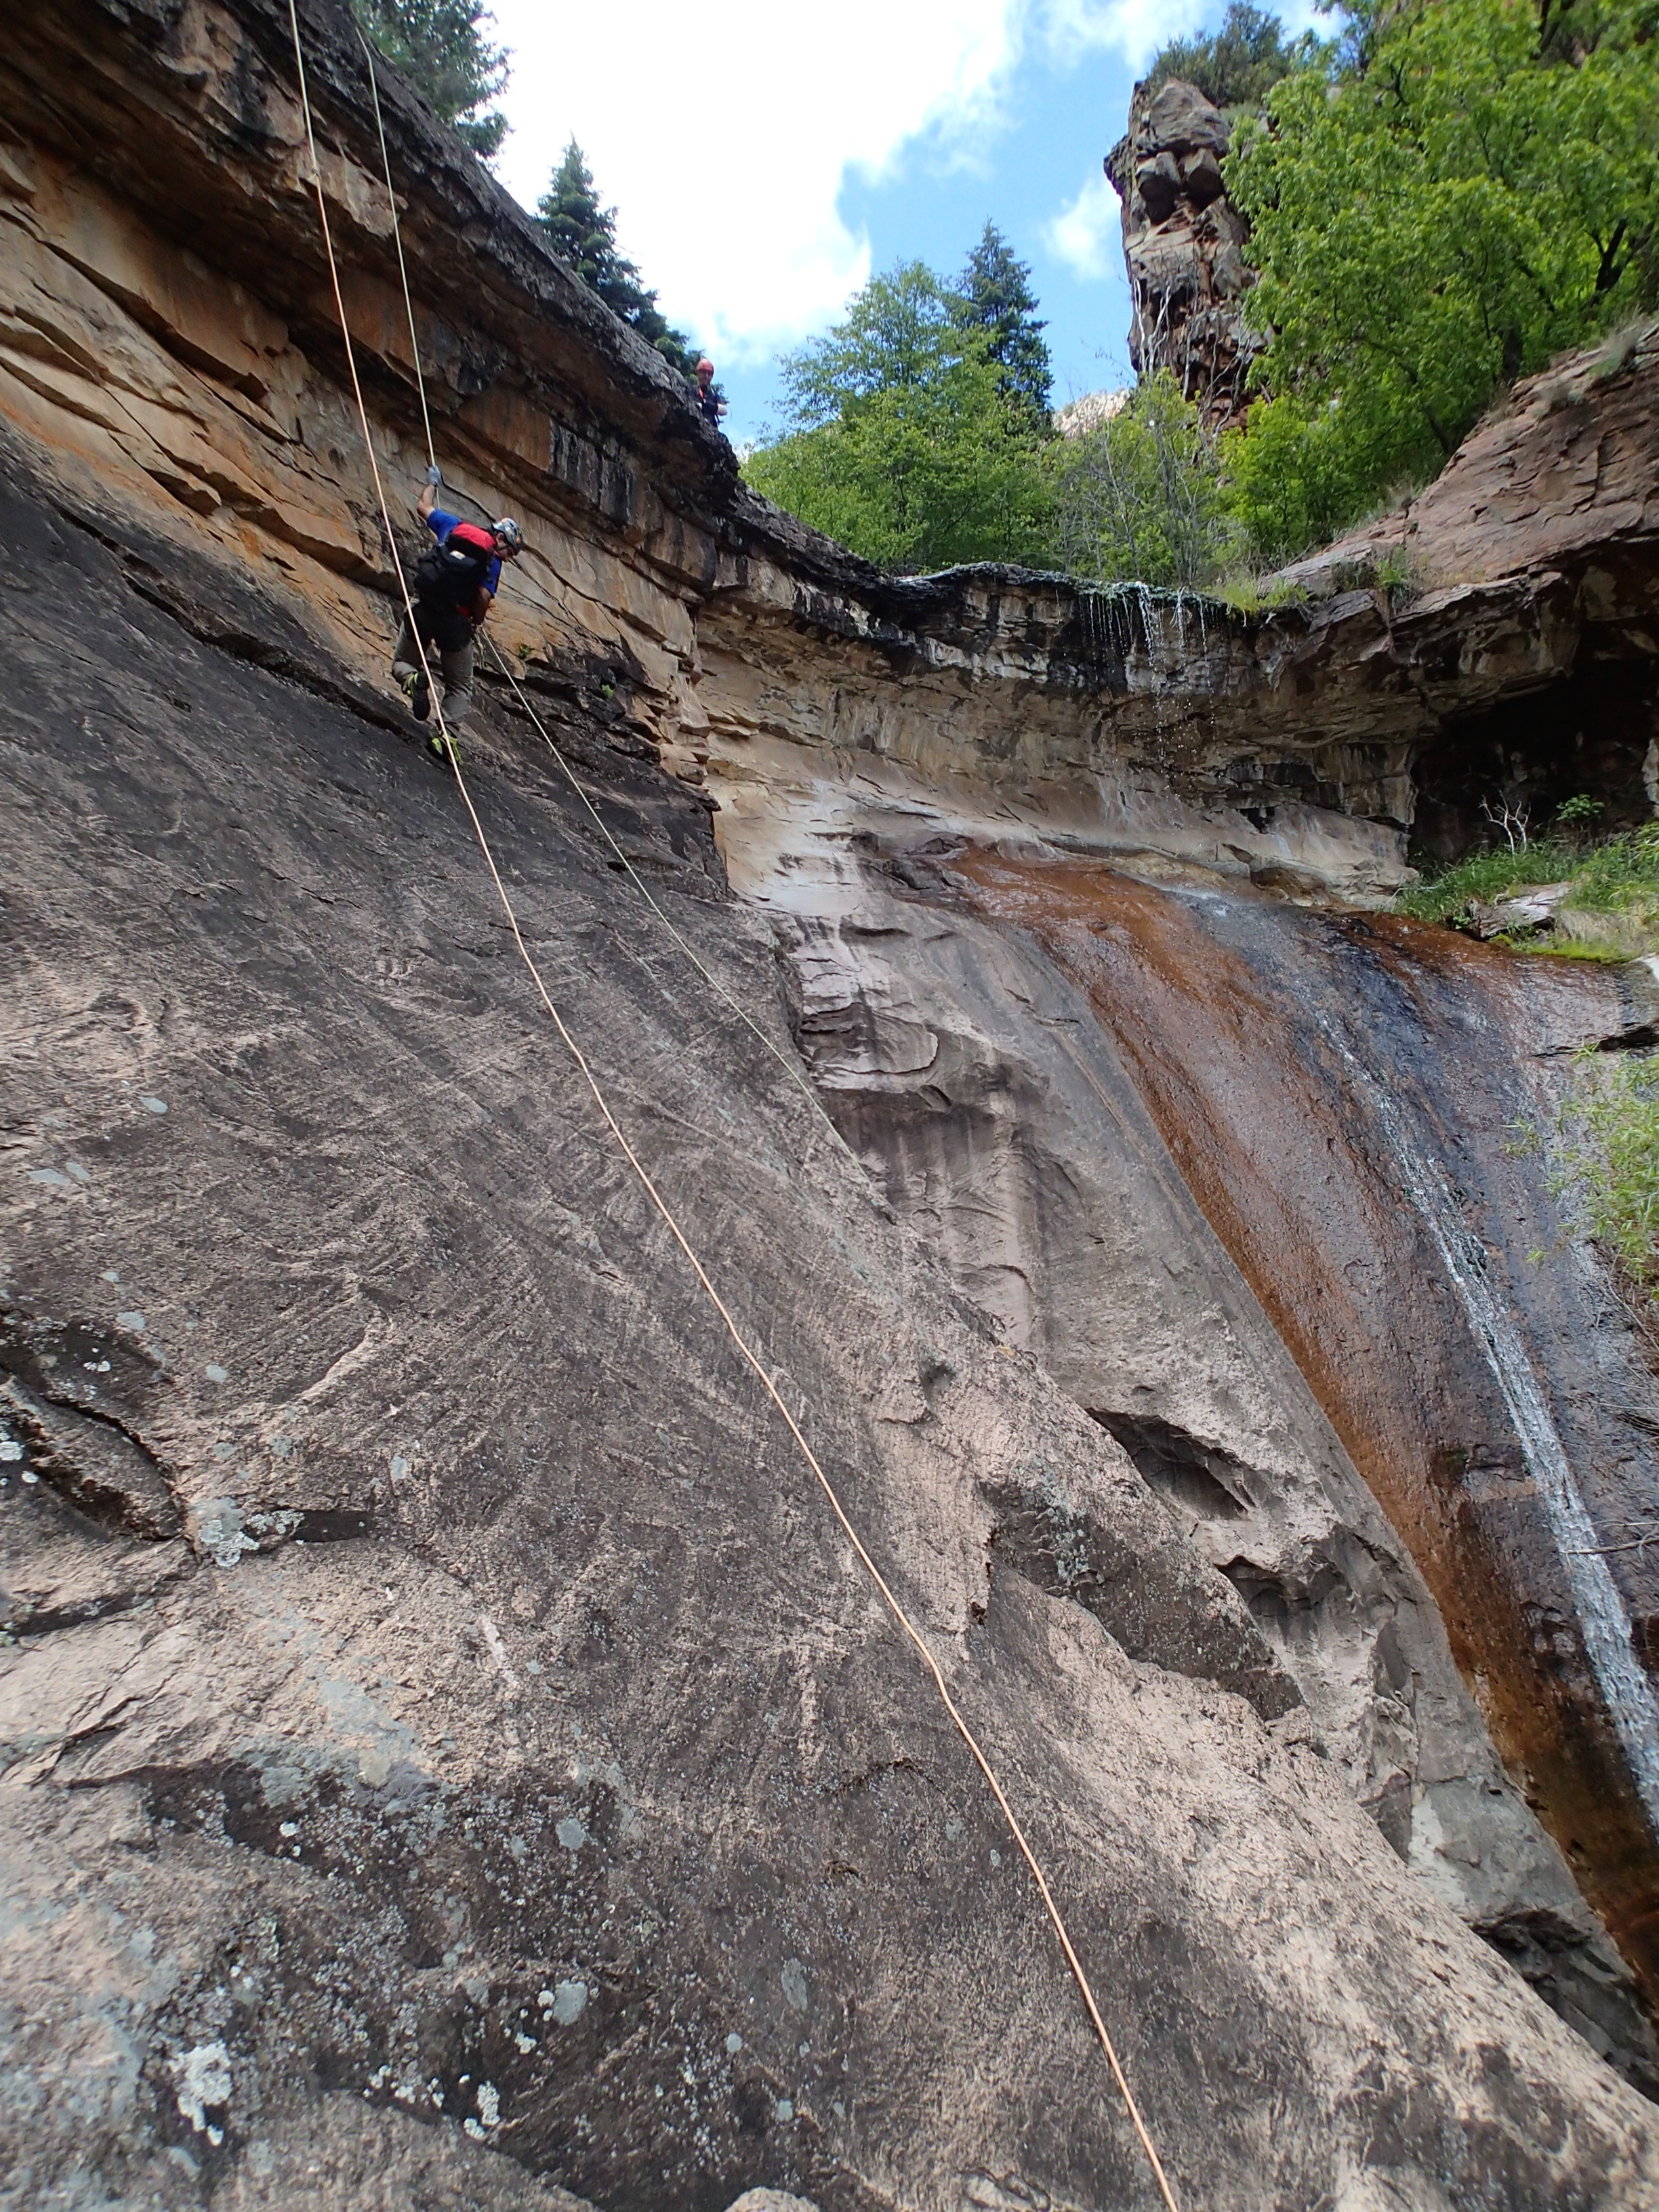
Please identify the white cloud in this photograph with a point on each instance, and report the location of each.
(1133, 28)
(723, 135)
(1087, 233)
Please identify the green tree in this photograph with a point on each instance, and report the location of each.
(1139, 498)
(1295, 476)
(997, 298)
(901, 441)
(1438, 203)
(584, 234)
(440, 46)
(1236, 66)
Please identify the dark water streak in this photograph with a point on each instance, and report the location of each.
(1342, 1096)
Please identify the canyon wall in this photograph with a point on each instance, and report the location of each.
(451, 1754)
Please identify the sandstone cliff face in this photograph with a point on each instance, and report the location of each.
(451, 1755)
(1184, 241)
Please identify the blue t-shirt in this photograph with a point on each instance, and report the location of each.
(441, 525)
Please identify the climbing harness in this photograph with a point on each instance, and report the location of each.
(751, 1358)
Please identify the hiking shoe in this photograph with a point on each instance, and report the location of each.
(436, 747)
(418, 692)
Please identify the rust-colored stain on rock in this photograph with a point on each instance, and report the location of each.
(1259, 1110)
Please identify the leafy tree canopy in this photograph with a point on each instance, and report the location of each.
(902, 440)
(1139, 498)
(584, 234)
(440, 46)
(1237, 65)
(1443, 197)
(997, 298)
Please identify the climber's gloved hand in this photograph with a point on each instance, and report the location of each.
(435, 475)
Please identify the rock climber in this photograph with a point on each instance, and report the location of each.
(710, 405)
(453, 587)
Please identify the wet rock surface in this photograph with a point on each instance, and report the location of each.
(1397, 1094)
(479, 1843)
(978, 1029)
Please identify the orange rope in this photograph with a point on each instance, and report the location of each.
(750, 1356)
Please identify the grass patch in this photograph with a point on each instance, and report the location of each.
(1614, 875)
(1620, 875)
(1487, 877)
(1611, 1135)
(1245, 594)
(1567, 948)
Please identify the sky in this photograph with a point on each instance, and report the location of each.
(765, 160)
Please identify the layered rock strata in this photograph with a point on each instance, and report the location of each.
(1183, 244)
(1560, 484)
(450, 1750)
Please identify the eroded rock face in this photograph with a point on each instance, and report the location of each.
(542, 1774)
(1183, 243)
(1037, 1124)
(1561, 483)
(452, 1754)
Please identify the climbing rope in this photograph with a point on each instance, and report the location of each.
(397, 236)
(604, 827)
(685, 945)
(751, 1358)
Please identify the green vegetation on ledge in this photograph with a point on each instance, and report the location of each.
(1611, 1133)
(1443, 197)
(1611, 907)
(584, 234)
(440, 46)
(1237, 65)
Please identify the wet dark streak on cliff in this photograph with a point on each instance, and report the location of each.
(1226, 1009)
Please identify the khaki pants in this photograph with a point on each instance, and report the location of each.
(454, 666)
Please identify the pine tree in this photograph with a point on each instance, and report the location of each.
(584, 234)
(997, 298)
(440, 47)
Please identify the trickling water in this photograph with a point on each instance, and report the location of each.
(1505, 1422)
(1602, 1618)
(1152, 626)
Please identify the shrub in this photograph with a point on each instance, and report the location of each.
(1441, 200)
(1139, 499)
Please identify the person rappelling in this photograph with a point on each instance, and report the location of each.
(451, 589)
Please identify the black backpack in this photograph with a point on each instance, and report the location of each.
(448, 575)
